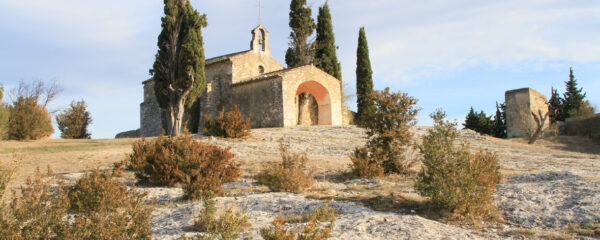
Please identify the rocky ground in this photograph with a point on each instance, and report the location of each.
(546, 189)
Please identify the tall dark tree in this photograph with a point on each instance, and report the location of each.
(325, 49)
(178, 70)
(471, 120)
(301, 48)
(572, 98)
(499, 124)
(555, 106)
(364, 79)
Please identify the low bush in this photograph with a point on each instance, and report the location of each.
(229, 125)
(96, 207)
(319, 227)
(6, 173)
(289, 175)
(364, 165)
(106, 209)
(73, 122)
(388, 131)
(227, 226)
(28, 120)
(201, 167)
(454, 179)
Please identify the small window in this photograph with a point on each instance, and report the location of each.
(261, 69)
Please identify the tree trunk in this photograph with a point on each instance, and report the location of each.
(540, 121)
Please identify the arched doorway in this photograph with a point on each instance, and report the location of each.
(313, 104)
(308, 110)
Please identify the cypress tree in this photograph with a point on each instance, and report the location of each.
(554, 106)
(301, 49)
(471, 120)
(325, 52)
(499, 124)
(572, 98)
(364, 79)
(178, 70)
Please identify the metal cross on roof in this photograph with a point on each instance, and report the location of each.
(259, 13)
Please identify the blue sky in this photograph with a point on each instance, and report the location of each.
(448, 54)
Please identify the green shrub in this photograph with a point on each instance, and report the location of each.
(228, 226)
(388, 130)
(229, 125)
(201, 167)
(28, 120)
(454, 179)
(73, 122)
(319, 227)
(43, 211)
(289, 175)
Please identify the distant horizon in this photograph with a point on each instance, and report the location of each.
(448, 55)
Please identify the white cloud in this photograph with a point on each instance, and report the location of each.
(409, 39)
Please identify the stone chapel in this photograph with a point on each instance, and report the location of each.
(265, 91)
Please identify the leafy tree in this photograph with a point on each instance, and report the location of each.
(572, 98)
(555, 106)
(28, 120)
(325, 51)
(301, 49)
(3, 115)
(73, 122)
(178, 70)
(28, 117)
(499, 122)
(388, 131)
(364, 79)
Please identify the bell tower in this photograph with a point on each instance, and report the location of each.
(260, 40)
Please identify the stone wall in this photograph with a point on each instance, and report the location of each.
(247, 65)
(324, 87)
(588, 127)
(519, 105)
(151, 116)
(262, 101)
(217, 95)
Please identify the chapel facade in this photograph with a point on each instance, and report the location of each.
(265, 91)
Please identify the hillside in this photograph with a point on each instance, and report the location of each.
(546, 187)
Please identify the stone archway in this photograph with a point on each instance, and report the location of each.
(313, 103)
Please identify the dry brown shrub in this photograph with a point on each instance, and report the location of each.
(73, 122)
(6, 173)
(106, 209)
(201, 167)
(454, 179)
(289, 175)
(28, 120)
(229, 125)
(319, 227)
(43, 211)
(365, 166)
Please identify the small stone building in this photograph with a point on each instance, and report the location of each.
(261, 87)
(519, 105)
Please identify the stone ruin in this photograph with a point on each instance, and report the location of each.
(520, 103)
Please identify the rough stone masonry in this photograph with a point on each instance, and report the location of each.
(261, 87)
